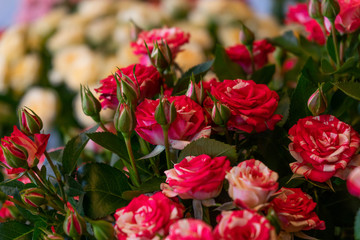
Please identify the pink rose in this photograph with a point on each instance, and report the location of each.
(251, 183)
(190, 229)
(252, 105)
(146, 217)
(148, 82)
(299, 14)
(190, 122)
(174, 37)
(353, 182)
(20, 152)
(323, 146)
(242, 225)
(198, 177)
(348, 20)
(240, 55)
(295, 210)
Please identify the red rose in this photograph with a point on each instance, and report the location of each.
(353, 182)
(299, 14)
(5, 213)
(198, 177)
(322, 146)
(20, 152)
(148, 80)
(295, 210)
(190, 122)
(252, 105)
(190, 229)
(146, 217)
(242, 225)
(174, 37)
(251, 183)
(240, 55)
(348, 20)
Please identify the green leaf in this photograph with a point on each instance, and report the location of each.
(104, 186)
(348, 65)
(111, 142)
(199, 71)
(72, 152)
(331, 48)
(37, 229)
(225, 68)
(211, 147)
(151, 185)
(289, 42)
(264, 75)
(15, 230)
(326, 66)
(72, 187)
(352, 89)
(11, 187)
(357, 226)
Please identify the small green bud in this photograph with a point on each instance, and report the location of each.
(317, 102)
(74, 225)
(330, 9)
(30, 123)
(220, 114)
(315, 9)
(124, 120)
(246, 36)
(90, 104)
(161, 56)
(165, 112)
(33, 197)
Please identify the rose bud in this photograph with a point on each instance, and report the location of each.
(246, 36)
(30, 122)
(220, 114)
(34, 197)
(103, 230)
(315, 9)
(127, 90)
(20, 151)
(251, 183)
(165, 112)
(330, 9)
(160, 56)
(317, 102)
(353, 182)
(53, 236)
(124, 119)
(90, 104)
(74, 224)
(195, 92)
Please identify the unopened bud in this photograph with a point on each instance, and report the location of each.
(103, 230)
(330, 9)
(33, 197)
(30, 122)
(127, 91)
(15, 157)
(165, 112)
(90, 104)
(161, 56)
(195, 92)
(134, 31)
(246, 36)
(74, 225)
(317, 103)
(220, 114)
(53, 236)
(124, 119)
(314, 9)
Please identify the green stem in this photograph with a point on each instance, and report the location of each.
(144, 146)
(57, 175)
(167, 146)
(333, 32)
(206, 216)
(132, 158)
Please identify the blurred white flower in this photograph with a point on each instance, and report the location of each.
(101, 29)
(12, 43)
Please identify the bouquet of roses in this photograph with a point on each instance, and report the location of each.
(267, 149)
